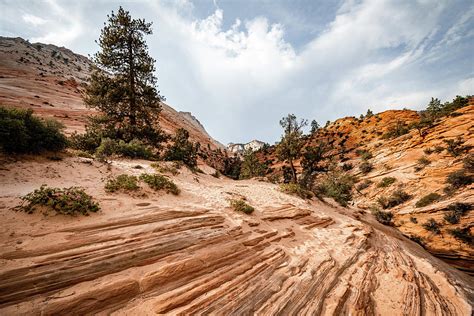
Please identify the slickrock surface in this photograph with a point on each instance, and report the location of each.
(152, 253)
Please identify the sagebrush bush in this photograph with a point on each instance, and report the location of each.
(363, 185)
(396, 198)
(241, 206)
(422, 163)
(67, 201)
(432, 225)
(366, 167)
(456, 211)
(428, 199)
(383, 217)
(22, 132)
(455, 147)
(337, 185)
(462, 234)
(122, 182)
(166, 169)
(364, 154)
(459, 178)
(296, 189)
(386, 182)
(159, 182)
(134, 149)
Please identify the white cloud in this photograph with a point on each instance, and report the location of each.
(33, 19)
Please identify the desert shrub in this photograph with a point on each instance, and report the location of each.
(134, 149)
(383, 217)
(338, 186)
(22, 132)
(216, 174)
(417, 239)
(433, 226)
(422, 163)
(413, 220)
(458, 179)
(468, 163)
(364, 154)
(386, 182)
(347, 166)
(182, 149)
(428, 199)
(166, 169)
(122, 182)
(363, 185)
(398, 129)
(241, 206)
(438, 149)
(296, 189)
(67, 201)
(456, 211)
(463, 235)
(158, 182)
(455, 147)
(428, 151)
(84, 154)
(396, 198)
(107, 148)
(366, 167)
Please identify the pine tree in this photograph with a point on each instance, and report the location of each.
(314, 126)
(291, 144)
(123, 85)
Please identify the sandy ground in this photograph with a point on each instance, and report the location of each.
(153, 253)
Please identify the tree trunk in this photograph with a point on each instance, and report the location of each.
(132, 115)
(293, 171)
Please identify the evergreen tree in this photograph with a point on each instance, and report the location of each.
(369, 113)
(182, 149)
(291, 144)
(122, 85)
(314, 126)
(251, 166)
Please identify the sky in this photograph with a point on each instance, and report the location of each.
(241, 65)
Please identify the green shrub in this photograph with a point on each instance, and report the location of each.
(428, 151)
(468, 163)
(398, 197)
(363, 185)
(364, 154)
(251, 166)
(422, 163)
(463, 235)
(455, 147)
(386, 182)
(107, 148)
(432, 226)
(383, 217)
(366, 167)
(459, 178)
(134, 149)
(296, 189)
(428, 199)
(347, 166)
(165, 169)
(456, 211)
(122, 182)
(397, 130)
(413, 220)
(216, 174)
(182, 149)
(158, 182)
(241, 206)
(22, 132)
(338, 186)
(67, 201)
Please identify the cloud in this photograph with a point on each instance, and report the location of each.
(33, 19)
(239, 77)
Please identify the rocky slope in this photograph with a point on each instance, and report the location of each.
(399, 158)
(50, 79)
(240, 148)
(152, 253)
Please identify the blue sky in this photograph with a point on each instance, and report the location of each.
(239, 66)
